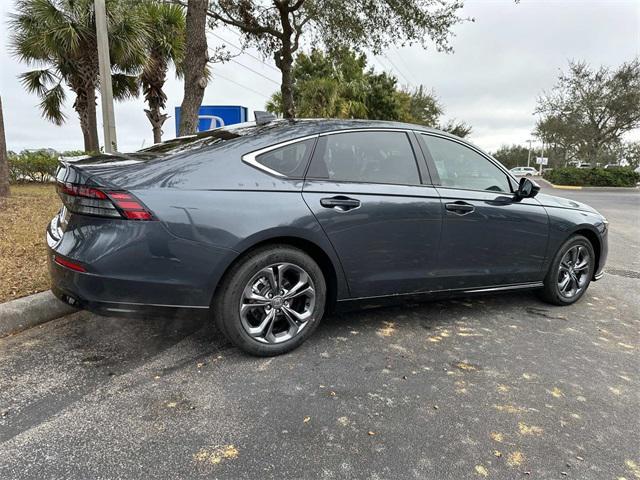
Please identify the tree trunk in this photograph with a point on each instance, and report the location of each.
(284, 61)
(157, 119)
(153, 78)
(157, 132)
(286, 87)
(4, 166)
(94, 142)
(85, 106)
(194, 65)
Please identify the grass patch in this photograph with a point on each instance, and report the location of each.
(23, 248)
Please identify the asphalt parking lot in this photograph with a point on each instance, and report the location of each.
(498, 387)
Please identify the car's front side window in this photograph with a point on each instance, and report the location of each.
(459, 166)
(368, 156)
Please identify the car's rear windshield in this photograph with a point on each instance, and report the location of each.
(199, 140)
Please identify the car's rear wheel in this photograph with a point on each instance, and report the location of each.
(570, 272)
(271, 300)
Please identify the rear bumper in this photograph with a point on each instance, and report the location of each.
(133, 310)
(133, 269)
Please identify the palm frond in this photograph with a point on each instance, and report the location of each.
(51, 104)
(128, 36)
(125, 86)
(166, 24)
(38, 81)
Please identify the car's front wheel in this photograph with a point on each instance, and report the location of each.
(570, 272)
(271, 300)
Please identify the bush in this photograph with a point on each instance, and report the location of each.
(593, 177)
(33, 166)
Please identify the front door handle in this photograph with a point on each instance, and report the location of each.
(340, 202)
(459, 208)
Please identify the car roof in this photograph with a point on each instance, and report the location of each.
(312, 126)
(280, 130)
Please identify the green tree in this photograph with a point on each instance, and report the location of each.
(59, 37)
(276, 27)
(625, 153)
(327, 85)
(589, 110)
(165, 45)
(631, 153)
(338, 84)
(423, 107)
(383, 99)
(457, 128)
(513, 156)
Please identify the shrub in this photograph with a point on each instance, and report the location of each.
(593, 177)
(33, 166)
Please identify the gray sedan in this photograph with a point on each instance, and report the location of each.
(265, 227)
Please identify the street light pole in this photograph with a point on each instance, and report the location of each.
(106, 89)
(529, 156)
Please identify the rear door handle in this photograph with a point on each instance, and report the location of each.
(340, 203)
(459, 208)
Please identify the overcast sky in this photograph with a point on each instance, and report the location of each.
(501, 63)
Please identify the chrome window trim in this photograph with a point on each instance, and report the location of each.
(251, 158)
(366, 129)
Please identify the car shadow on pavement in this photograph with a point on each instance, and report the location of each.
(430, 314)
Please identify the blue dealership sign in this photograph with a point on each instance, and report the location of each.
(214, 116)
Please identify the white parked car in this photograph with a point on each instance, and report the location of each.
(524, 171)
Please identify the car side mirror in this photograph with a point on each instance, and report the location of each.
(527, 188)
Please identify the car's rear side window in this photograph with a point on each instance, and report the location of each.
(369, 157)
(290, 160)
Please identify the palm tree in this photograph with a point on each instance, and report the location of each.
(165, 45)
(59, 36)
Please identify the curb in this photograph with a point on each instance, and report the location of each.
(575, 187)
(26, 312)
(559, 187)
(566, 187)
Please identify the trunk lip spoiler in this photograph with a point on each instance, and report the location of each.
(81, 176)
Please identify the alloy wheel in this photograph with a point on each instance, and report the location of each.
(574, 270)
(277, 303)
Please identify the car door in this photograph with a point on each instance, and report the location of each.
(370, 193)
(489, 238)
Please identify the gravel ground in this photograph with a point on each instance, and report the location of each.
(500, 387)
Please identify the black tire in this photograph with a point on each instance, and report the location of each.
(227, 301)
(552, 293)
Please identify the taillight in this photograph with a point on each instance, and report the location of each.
(81, 191)
(130, 206)
(92, 201)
